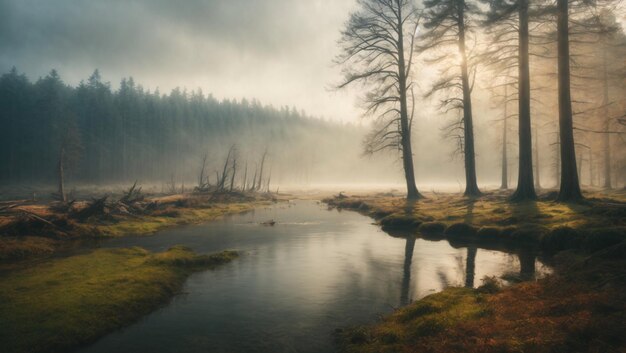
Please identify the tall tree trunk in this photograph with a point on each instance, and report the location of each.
(505, 161)
(607, 137)
(407, 152)
(61, 176)
(591, 182)
(579, 163)
(570, 187)
(525, 185)
(537, 169)
(557, 162)
(471, 185)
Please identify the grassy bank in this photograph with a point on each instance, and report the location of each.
(493, 220)
(27, 238)
(63, 303)
(582, 308)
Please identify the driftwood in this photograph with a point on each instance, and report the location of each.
(132, 195)
(94, 208)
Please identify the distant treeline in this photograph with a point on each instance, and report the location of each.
(131, 133)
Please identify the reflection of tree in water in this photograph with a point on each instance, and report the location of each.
(406, 274)
(527, 264)
(470, 260)
(470, 266)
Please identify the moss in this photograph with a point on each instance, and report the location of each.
(460, 230)
(395, 221)
(432, 228)
(489, 233)
(161, 219)
(561, 238)
(62, 303)
(429, 316)
(528, 234)
(602, 238)
(581, 310)
(520, 223)
(18, 248)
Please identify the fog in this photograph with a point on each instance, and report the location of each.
(275, 56)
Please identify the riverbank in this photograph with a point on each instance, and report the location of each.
(58, 304)
(581, 307)
(38, 230)
(493, 221)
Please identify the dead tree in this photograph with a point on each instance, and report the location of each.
(222, 178)
(253, 188)
(171, 185)
(202, 180)
(377, 47)
(244, 186)
(233, 170)
(61, 191)
(259, 183)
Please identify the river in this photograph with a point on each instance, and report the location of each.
(314, 271)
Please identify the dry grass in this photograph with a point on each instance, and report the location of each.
(583, 310)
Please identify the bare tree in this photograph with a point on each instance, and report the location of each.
(377, 51)
(226, 169)
(233, 169)
(260, 181)
(202, 179)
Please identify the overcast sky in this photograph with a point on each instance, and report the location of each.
(278, 51)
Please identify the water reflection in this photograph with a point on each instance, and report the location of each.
(470, 266)
(406, 273)
(527, 259)
(314, 271)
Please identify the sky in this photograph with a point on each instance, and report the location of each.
(278, 51)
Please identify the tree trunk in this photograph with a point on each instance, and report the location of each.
(537, 169)
(405, 130)
(471, 185)
(607, 137)
(258, 184)
(591, 181)
(525, 185)
(61, 172)
(570, 187)
(505, 162)
(579, 163)
(557, 163)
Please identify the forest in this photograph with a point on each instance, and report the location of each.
(121, 135)
(362, 176)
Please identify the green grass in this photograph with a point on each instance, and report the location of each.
(427, 317)
(146, 225)
(62, 303)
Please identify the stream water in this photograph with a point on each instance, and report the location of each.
(297, 281)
